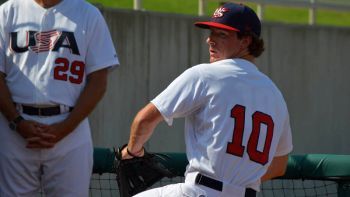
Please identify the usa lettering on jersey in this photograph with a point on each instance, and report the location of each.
(45, 41)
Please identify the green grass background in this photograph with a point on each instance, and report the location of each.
(272, 13)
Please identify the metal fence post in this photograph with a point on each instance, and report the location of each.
(202, 6)
(312, 12)
(137, 5)
(260, 10)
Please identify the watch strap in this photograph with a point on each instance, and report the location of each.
(18, 119)
(13, 124)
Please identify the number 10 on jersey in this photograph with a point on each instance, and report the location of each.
(236, 147)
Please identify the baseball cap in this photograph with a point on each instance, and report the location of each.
(235, 17)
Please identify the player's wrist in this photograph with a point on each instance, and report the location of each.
(15, 122)
(135, 154)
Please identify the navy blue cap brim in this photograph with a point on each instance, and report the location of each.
(207, 25)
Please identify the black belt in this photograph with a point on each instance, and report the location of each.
(43, 111)
(217, 185)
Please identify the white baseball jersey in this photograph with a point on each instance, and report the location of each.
(236, 120)
(47, 53)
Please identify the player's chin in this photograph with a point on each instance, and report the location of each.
(213, 59)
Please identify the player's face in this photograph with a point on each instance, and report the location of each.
(224, 44)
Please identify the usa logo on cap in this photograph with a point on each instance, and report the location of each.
(220, 12)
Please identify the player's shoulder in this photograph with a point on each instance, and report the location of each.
(8, 8)
(197, 70)
(89, 5)
(9, 4)
(84, 6)
(217, 69)
(199, 66)
(13, 4)
(83, 10)
(232, 63)
(91, 12)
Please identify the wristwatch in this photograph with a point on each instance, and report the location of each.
(13, 124)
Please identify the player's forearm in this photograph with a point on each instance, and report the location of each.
(140, 133)
(143, 126)
(88, 99)
(139, 138)
(7, 107)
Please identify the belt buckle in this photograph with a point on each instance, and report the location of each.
(39, 112)
(198, 178)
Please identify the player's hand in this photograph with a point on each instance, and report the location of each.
(28, 128)
(49, 135)
(42, 139)
(125, 154)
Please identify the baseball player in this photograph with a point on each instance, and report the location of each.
(54, 60)
(237, 127)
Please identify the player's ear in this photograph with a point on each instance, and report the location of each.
(246, 41)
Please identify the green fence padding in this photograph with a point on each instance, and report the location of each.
(103, 160)
(308, 166)
(318, 166)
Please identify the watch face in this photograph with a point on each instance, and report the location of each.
(12, 126)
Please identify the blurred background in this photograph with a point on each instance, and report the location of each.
(324, 12)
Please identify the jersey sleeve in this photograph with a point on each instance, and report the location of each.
(101, 52)
(181, 97)
(285, 144)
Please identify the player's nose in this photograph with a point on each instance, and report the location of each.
(210, 41)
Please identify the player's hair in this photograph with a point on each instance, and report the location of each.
(257, 46)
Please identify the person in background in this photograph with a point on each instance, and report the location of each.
(54, 61)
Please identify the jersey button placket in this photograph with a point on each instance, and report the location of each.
(40, 61)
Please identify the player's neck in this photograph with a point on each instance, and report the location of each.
(47, 3)
(245, 54)
(249, 58)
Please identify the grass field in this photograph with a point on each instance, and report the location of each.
(272, 13)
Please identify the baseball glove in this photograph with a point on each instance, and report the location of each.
(137, 174)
